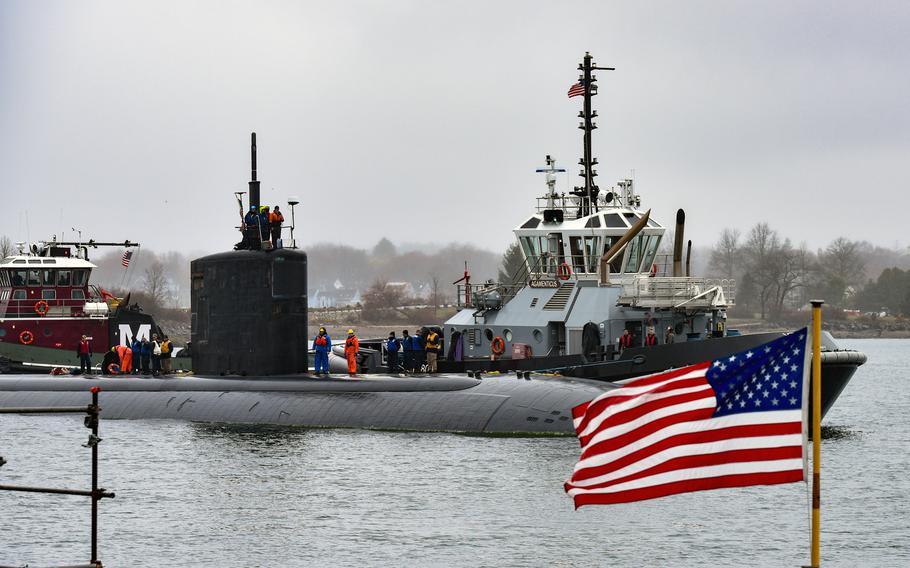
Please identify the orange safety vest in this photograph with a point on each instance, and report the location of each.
(276, 217)
(352, 345)
(625, 341)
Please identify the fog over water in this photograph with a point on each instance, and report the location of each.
(424, 122)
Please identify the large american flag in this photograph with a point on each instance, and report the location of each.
(125, 259)
(577, 90)
(731, 422)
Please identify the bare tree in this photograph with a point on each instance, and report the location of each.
(6, 246)
(155, 283)
(725, 254)
(842, 260)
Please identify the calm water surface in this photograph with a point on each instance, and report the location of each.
(194, 495)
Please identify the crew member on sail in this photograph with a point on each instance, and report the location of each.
(275, 221)
(351, 348)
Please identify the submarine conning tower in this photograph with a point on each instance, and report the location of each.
(249, 309)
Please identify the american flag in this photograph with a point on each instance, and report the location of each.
(730, 422)
(125, 259)
(577, 90)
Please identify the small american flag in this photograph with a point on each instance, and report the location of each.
(577, 90)
(730, 422)
(125, 259)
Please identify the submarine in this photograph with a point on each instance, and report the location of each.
(250, 361)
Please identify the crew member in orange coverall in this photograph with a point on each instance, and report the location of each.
(126, 359)
(351, 348)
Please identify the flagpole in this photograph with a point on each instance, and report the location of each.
(816, 429)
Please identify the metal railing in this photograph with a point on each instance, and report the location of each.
(677, 292)
(93, 412)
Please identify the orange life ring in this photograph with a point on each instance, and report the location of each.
(26, 337)
(498, 346)
(563, 271)
(41, 307)
(113, 369)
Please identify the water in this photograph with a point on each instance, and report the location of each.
(194, 495)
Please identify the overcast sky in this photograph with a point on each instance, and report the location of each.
(424, 121)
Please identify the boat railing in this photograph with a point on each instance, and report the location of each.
(55, 308)
(568, 204)
(679, 292)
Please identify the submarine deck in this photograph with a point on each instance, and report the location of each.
(452, 403)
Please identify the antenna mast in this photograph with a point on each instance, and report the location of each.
(588, 193)
(254, 183)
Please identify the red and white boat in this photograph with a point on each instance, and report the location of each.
(47, 302)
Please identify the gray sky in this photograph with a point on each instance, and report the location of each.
(424, 121)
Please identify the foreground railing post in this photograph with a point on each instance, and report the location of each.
(93, 412)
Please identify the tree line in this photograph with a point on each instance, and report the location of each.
(774, 275)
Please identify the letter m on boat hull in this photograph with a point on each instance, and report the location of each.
(127, 334)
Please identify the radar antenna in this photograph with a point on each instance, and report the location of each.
(552, 214)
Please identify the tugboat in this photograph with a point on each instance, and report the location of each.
(47, 302)
(591, 275)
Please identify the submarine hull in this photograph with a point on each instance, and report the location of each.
(495, 405)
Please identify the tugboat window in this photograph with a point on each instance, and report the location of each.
(538, 335)
(19, 294)
(77, 295)
(578, 257)
(651, 251)
(488, 333)
(19, 277)
(80, 277)
(48, 278)
(64, 278)
(614, 221)
(2, 332)
(48, 294)
(592, 252)
(634, 255)
(507, 334)
(34, 278)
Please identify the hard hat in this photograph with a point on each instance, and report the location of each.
(350, 332)
(321, 329)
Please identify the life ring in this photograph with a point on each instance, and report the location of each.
(563, 271)
(498, 346)
(41, 307)
(26, 337)
(113, 369)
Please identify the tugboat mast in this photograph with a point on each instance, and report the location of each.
(588, 193)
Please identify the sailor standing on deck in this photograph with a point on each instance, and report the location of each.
(84, 352)
(137, 355)
(432, 350)
(408, 345)
(351, 349)
(625, 341)
(392, 346)
(322, 345)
